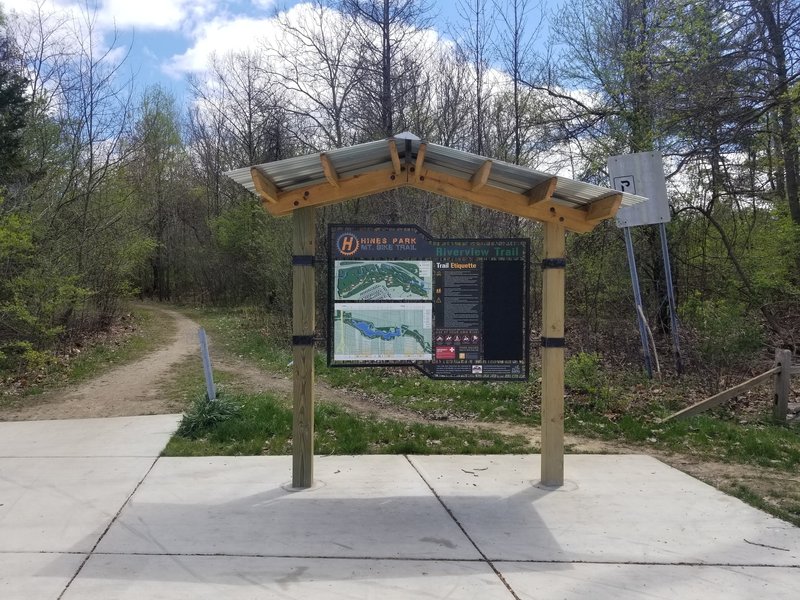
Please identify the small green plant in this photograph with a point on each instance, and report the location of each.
(584, 375)
(204, 415)
(725, 331)
(19, 356)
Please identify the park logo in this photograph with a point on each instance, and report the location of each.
(347, 244)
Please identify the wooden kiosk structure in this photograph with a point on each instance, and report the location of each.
(296, 186)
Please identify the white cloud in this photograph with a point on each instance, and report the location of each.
(219, 36)
(144, 14)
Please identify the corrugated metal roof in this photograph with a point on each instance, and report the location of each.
(302, 171)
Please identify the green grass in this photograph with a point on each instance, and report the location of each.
(621, 406)
(263, 425)
(759, 443)
(247, 333)
(263, 339)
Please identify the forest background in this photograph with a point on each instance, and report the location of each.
(109, 191)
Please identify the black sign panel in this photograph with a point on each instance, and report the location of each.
(455, 309)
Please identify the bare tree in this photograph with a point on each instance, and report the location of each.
(515, 48)
(317, 65)
(474, 43)
(387, 31)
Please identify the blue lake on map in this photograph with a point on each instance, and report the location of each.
(367, 329)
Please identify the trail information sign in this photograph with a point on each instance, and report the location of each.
(455, 308)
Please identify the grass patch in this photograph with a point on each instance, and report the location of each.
(187, 381)
(264, 339)
(248, 333)
(619, 406)
(262, 425)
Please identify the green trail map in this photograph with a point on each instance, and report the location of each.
(368, 332)
(383, 280)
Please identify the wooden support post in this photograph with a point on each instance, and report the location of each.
(553, 355)
(783, 359)
(303, 293)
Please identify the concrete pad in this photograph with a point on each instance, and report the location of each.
(366, 506)
(117, 436)
(238, 578)
(614, 509)
(656, 582)
(40, 576)
(62, 504)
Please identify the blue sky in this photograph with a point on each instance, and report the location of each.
(172, 39)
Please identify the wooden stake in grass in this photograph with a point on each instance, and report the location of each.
(553, 355)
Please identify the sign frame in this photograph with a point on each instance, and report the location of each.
(640, 173)
(420, 365)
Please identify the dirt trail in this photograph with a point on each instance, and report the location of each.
(131, 389)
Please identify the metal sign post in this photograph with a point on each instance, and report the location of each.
(637, 298)
(211, 389)
(673, 313)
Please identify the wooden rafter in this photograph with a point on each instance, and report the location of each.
(268, 191)
(502, 200)
(481, 176)
(321, 194)
(604, 208)
(542, 192)
(395, 157)
(330, 172)
(420, 157)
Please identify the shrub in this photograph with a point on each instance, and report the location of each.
(725, 332)
(204, 415)
(582, 373)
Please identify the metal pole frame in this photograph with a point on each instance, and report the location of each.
(637, 297)
(673, 312)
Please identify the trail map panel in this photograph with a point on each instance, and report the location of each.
(455, 309)
(382, 280)
(384, 332)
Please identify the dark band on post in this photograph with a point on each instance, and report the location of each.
(554, 263)
(553, 342)
(303, 260)
(302, 340)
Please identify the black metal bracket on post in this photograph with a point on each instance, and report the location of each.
(554, 263)
(303, 260)
(553, 342)
(302, 340)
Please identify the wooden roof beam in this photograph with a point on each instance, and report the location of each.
(481, 176)
(423, 147)
(542, 192)
(268, 191)
(323, 194)
(502, 200)
(330, 172)
(604, 208)
(395, 157)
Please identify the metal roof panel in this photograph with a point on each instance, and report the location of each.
(302, 171)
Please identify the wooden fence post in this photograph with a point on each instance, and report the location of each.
(783, 359)
(553, 278)
(303, 314)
